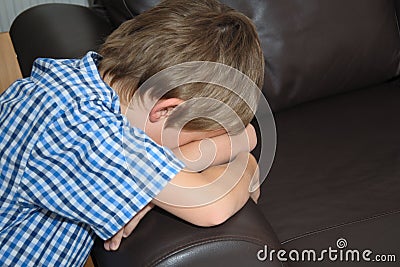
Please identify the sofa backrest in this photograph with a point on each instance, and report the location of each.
(56, 31)
(315, 48)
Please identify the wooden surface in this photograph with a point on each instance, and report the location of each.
(89, 263)
(9, 68)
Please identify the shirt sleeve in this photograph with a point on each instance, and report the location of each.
(90, 166)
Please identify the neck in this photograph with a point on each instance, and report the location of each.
(107, 80)
(123, 108)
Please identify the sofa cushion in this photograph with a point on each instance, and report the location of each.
(379, 234)
(337, 163)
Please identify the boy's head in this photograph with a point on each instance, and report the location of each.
(177, 31)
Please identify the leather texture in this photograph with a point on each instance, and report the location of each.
(164, 240)
(337, 162)
(314, 48)
(56, 31)
(116, 11)
(363, 234)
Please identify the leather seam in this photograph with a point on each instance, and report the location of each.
(398, 34)
(328, 228)
(202, 242)
(129, 11)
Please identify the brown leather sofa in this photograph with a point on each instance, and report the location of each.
(332, 81)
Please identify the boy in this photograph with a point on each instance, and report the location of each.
(64, 175)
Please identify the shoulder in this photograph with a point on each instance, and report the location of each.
(73, 79)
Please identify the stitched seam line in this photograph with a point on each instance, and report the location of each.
(339, 225)
(205, 241)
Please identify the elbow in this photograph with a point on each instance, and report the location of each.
(217, 221)
(211, 219)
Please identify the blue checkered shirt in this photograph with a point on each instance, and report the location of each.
(71, 165)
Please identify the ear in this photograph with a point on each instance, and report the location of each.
(163, 108)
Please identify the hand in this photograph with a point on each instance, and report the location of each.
(114, 242)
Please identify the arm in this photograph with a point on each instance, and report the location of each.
(207, 215)
(220, 210)
(223, 208)
(199, 155)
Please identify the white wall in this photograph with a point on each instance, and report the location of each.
(9, 9)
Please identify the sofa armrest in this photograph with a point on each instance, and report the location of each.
(164, 240)
(56, 31)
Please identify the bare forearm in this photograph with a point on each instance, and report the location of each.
(199, 155)
(218, 150)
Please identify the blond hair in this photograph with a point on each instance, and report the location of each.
(178, 31)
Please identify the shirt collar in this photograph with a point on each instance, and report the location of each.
(88, 74)
(89, 63)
